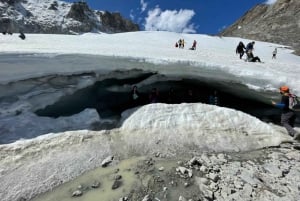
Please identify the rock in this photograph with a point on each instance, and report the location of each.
(161, 169)
(107, 161)
(181, 198)
(124, 199)
(214, 177)
(204, 189)
(118, 177)
(116, 184)
(147, 198)
(195, 161)
(96, 184)
(184, 171)
(77, 193)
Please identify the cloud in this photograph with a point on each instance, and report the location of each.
(143, 5)
(270, 2)
(170, 20)
(131, 15)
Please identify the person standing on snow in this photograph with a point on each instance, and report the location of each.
(288, 116)
(274, 53)
(240, 49)
(194, 45)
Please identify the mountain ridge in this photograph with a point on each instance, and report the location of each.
(59, 17)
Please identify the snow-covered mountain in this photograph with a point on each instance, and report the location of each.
(51, 16)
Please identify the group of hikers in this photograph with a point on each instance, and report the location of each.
(180, 44)
(241, 49)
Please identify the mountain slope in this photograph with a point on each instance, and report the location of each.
(277, 23)
(50, 16)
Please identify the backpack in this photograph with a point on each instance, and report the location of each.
(293, 101)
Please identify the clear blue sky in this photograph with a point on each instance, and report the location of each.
(192, 16)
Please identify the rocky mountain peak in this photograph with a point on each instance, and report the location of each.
(58, 17)
(277, 23)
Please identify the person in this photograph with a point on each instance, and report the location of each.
(135, 96)
(176, 44)
(288, 116)
(179, 43)
(250, 47)
(190, 98)
(274, 53)
(153, 96)
(251, 57)
(172, 96)
(240, 49)
(182, 43)
(213, 99)
(194, 45)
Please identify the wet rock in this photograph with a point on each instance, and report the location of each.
(77, 193)
(116, 184)
(118, 177)
(107, 161)
(96, 184)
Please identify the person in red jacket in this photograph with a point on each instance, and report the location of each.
(288, 116)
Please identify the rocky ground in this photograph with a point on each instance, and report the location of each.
(267, 174)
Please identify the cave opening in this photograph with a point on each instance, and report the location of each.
(110, 97)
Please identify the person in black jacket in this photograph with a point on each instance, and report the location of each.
(240, 49)
(288, 116)
(251, 57)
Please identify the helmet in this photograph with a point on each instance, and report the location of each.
(284, 88)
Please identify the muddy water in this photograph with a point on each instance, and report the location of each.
(140, 176)
(104, 176)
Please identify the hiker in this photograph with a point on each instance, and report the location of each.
(153, 96)
(213, 98)
(250, 47)
(190, 98)
(288, 116)
(135, 96)
(176, 44)
(251, 57)
(240, 49)
(179, 43)
(274, 53)
(172, 99)
(182, 43)
(194, 45)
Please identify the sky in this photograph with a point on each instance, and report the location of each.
(182, 16)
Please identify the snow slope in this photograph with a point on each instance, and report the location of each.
(158, 47)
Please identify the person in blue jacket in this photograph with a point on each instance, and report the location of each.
(288, 116)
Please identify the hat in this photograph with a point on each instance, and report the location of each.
(284, 88)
